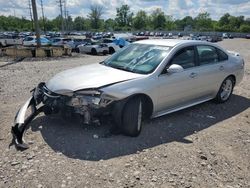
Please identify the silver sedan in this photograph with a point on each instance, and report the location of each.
(146, 79)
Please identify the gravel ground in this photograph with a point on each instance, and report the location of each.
(204, 146)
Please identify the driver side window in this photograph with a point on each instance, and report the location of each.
(184, 57)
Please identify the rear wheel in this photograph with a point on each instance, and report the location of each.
(111, 50)
(105, 52)
(132, 117)
(225, 90)
(93, 51)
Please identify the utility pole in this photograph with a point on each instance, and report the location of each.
(65, 16)
(67, 13)
(60, 5)
(33, 2)
(44, 30)
(31, 17)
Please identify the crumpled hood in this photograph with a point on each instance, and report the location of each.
(88, 76)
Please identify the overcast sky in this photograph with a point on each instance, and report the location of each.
(176, 8)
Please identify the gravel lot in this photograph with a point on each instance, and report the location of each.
(204, 146)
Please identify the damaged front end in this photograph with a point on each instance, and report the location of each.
(87, 103)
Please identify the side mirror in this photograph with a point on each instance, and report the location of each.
(174, 68)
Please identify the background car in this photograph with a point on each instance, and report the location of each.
(32, 41)
(94, 48)
(63, 41)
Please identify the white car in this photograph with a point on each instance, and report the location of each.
(111, 45)
(146, 79)
(94, 48)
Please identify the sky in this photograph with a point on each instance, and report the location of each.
(176, 8)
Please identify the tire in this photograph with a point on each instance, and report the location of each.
(132, 117)
(93, 51)
(111, 50)
(225, 90)
(77, 50)
(105, 52)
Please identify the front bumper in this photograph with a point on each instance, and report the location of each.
(21, 122)
(43, 100)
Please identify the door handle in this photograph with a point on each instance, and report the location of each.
(221, 68)
(193, 75)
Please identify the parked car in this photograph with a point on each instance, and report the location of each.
(248, 36)
(180, 35)
(8, 40)
(151, 33)
(94, 48)
(146, 79)
(108, 35)
(63, 41)
(97, 36)
(225, 35)
(115, 45)
(32, 41)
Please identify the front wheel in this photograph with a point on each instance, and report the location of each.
(132, 117)
(225, 90)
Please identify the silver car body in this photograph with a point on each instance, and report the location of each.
(168, 92)
(185, 90)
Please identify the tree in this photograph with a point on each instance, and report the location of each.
(79, 23)
(95, 14)
(224, 20)
(124, 16)
(170, 23)
(158, 19)
(203, 22)
(140, 21)
(109, 24)
(244, 28)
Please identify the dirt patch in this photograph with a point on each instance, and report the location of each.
(204, 146)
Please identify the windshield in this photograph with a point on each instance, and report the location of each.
(138, 58)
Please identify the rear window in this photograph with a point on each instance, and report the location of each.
(28, 38)
(207, 54)
(56, 40)
(78, 40)
(67, 40)
(222, 55)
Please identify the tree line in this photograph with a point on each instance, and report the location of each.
(126, 20)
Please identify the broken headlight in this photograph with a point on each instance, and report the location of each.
(91, 97)
(85, 97)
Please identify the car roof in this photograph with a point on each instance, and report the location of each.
(170, 42)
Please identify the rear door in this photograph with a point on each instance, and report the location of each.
(211, 69)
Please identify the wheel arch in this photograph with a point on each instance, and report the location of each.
(146, 101)
(118, 108)
(233, 77)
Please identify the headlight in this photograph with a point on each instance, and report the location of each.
(96, 97)
(85, 97)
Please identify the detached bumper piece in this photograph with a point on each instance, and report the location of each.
(21, 123)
